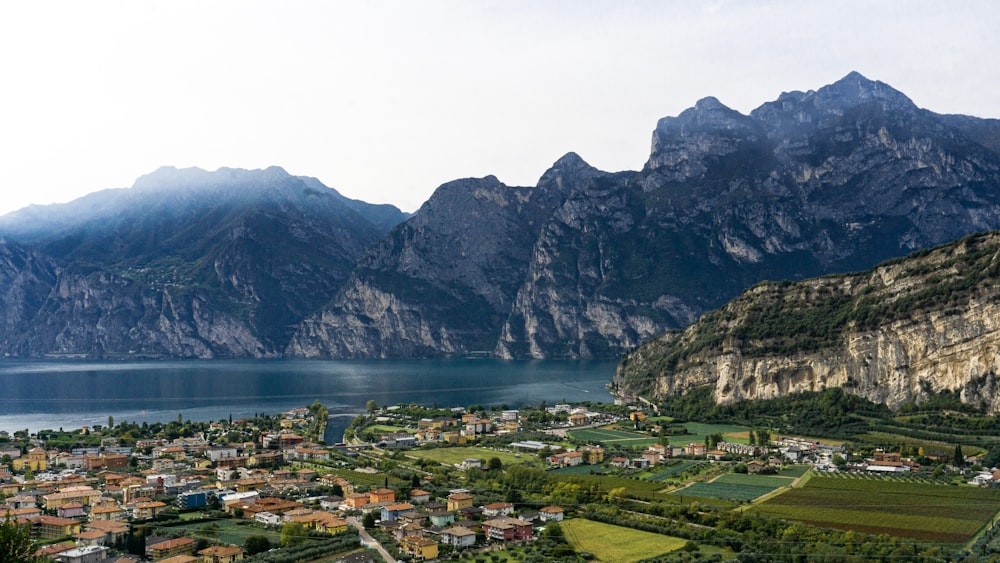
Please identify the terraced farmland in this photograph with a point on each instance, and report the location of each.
(938, 513)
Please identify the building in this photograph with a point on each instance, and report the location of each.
(221, 554)
(458, 501)
(148, 510)
(381, 495)
(419, 496)
(392, 511)
(169, 548)
(84, 554)
(420, 547)
(498, 509)
(551, 514)
(53, 527)
(507, 529)
(458, 536)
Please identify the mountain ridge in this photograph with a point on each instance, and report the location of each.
(585, 264)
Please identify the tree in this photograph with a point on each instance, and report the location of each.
(111, 422)
(959, 458)
(839, 461)
(371, 406)
(494, 463)
(256, 544)
(368, 520)
(293, 533)
(15, 543)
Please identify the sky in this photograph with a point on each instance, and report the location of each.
(386, 100)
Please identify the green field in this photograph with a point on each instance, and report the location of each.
(938, 513)
(795, 471)
(723, 491)
(580, 470)
(617, 544)
(773, 481)
(230, 531)
(610, 436)
(452, 456)
(676, 469)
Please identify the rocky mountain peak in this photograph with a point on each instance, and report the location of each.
(567, 173)
(710, 128)
(854, 89)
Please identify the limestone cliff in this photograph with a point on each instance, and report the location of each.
(910, 327)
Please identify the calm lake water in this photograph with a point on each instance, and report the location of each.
(44, 394)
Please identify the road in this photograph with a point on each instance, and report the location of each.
(368, 541)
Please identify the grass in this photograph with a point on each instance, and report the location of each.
(773, 481)
(610, 436)
(795, 471)
(451, 456)
(724, 491)
(616, 544)
(676, 469)
(929, 512)
(232, 532)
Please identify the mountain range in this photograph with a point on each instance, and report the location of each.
(586, 264)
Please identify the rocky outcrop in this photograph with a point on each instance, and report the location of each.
(894, 335)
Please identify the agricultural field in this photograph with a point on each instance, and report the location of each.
(795, 471)
(233, 532)
(580, 470)
(772, 481)
(612, 437)
(451, 456)
(928, 512)
(677, 468)
(617, 544)
(733, 492)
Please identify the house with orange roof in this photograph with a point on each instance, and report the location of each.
(52, 527)
(70, 510)
(458, 501)
(419, 496)
(381, 495)
(356, 501)
(148, 510)
(169, 548)
(420, 547)
(551, 513)
(221, 554)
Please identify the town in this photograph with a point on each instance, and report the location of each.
(411, 482)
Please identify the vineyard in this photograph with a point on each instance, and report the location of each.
(678, 468)
(912, 509)
(735, 487)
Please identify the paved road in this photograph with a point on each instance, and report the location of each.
(368, 541)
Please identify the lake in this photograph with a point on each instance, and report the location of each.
(53, 394)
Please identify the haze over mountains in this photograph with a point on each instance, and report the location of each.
(587, 263)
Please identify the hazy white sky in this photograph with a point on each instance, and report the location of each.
(384, 101)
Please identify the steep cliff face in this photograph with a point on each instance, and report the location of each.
(444, 281)
(910, 327)
(26, 279)
(186, 263)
